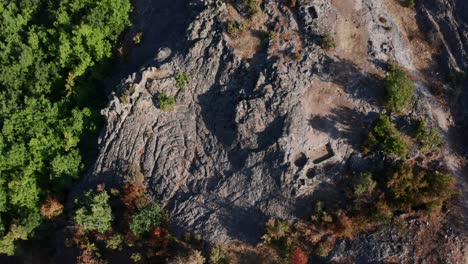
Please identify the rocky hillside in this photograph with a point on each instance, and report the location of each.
(267, 119)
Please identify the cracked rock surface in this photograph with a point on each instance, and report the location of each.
(248, 139)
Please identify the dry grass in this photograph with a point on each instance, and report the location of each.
(242, 253)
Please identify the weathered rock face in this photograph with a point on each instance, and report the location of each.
(253, 135)
(445, 22)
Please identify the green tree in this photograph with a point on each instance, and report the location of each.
(399, 89)
(95, 214)
(385, 136)
(147, 219)
(46, 51)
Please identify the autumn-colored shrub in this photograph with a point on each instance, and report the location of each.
(298, 256)
(51, 208)
(344, 226)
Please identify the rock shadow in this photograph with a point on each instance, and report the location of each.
(344, 122)
(355, 81)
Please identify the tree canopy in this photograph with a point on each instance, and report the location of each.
(44, 47)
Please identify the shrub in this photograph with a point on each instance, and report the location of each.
(138, 38)
(385, 135)
(275, 230)
(344, 226)
(51, 208)
(298, 256)
(399, 89)
(278, 234)
(320, 216)
(136, 257)
(218, 256)
(363, 184)
(429, 139)
(251, 6)
(96, 213)
(411, 4)
(410, 189)
(165, 101)
(233, 27)
(114, 242)
(181, 79)
(327, 42)
(147, 219)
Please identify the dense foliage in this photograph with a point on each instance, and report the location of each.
(95, 214)
(46, 50)
(386, 137)
(147, 219)
(399, 89)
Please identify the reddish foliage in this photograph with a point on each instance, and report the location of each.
(131, 238)
(159, 238)
(131, 193)
(51, 208)
(88, 256)
(298, 256)
(344, 226)
(78, 235)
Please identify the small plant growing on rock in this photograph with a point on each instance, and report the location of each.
(251, 6)
(411, 4)
(327, 42)
(165, 101)
(181, 79)
(233, 27)
(138, 38)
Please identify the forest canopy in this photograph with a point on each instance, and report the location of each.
(45, 47)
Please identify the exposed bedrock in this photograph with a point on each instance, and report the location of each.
(255, 133)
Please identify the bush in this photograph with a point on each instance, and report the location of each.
(218, 256)
(399, 89)
(411, 188)
(165, 101)
(385, 135)
(95, 214)
(233, 27)
(411, 4)
(251, 6)
(114, 242)
(327, 42)
(51, 208)
(138, 38)
(148, 218)
(181, 79)
(299, 256)
(430, 139)
(363, 185)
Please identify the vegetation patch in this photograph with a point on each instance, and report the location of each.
(386, 137)
(181, 79)
(165, 101)
(47, 51)
(327, 42)
(399, 89)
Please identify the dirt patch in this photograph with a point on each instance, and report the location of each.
(322, 97)
(247, 41)
(351, 34)
(423, 54)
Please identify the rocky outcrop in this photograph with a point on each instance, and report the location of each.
(249, 138)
